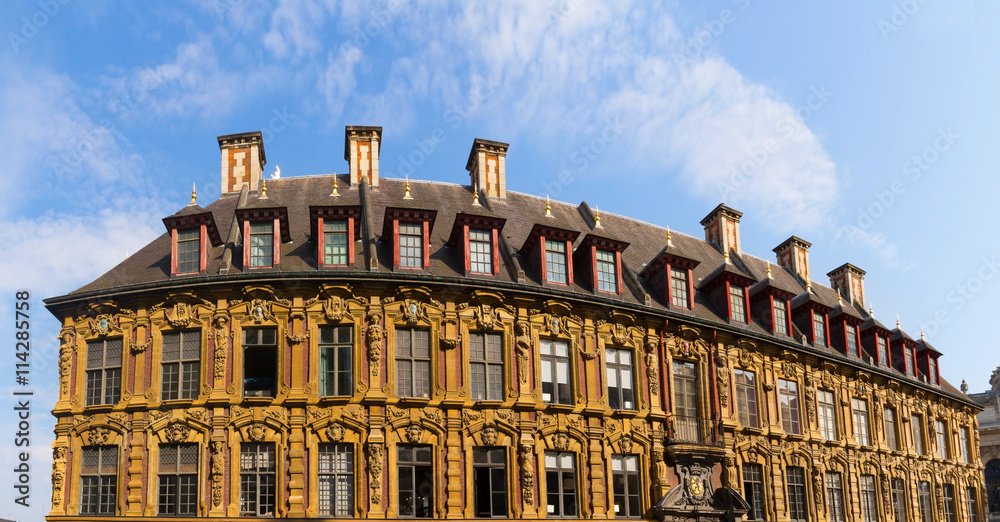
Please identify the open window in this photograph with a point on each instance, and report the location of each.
(260, 362)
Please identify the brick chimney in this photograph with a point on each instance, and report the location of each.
(242, 161)
(361, 146)
(722, 227)
(793, 254)
(849, 280)
(487, 168)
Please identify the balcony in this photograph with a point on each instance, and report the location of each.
(683, 429)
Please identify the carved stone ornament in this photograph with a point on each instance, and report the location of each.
(652, 343)
(787, 369)
(697, 485)
(260, 311)
(745, 358)
(218, 469)
(818, 489)
(375, 452)
(58, 476)
(335, 432)
(413, 311)
(522, 346)
(625, 444)
(414, 433)
(620, 334)
(731, 476)
(553, 324)
(256, 432)
(375, 334)
(334, 309)
(97, 436)
(489, 436)
(181, 317)
(66, 351)
(486, 317)
(526, 461)
(103, 325)
(177, 432)
(560, 442)
(652, 374)
(221, 347)
(722, 379)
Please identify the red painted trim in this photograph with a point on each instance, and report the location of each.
(746, 304)
(320, 241)
(541, 256)
(729, 302)
(496, 251)
(466, 248)
(350, 241)
(668, 277)
(276, 242)
(826, 328)
(427, 244)
(173, 251)
(202, 250)
(690, 282)
(593, 267)
(569, 263)
(395, 241)
(246, 243)
(774, 317)
(618, 270)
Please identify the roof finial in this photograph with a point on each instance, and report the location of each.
(809, 286)
(336, 190)
(897, 321)
(922, 338)
(840, 300)
(870, 311)
(475, 197)
(194, 195)
(725, 256)
(769, 270)
(406, 190)
(548, 207)
(263, 188)
(597, 217)
(670, 239)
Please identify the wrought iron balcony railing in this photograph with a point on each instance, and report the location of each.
(684, 429)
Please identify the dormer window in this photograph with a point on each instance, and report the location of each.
(188, 251)
(477, 237)
(411, 245)
(261, 245)
(908, 360)
(780, 307)
(675, 272)
(737, 309)
(883, 350)
(555, 261)
(679, 288)
(607, 272)
(852, 339)
(334, 230)
(819, 328)
(481, 251)
(598, 260)
(409, 231)
(932, 370)
(335, 242)
(727, 287)
(264, 230)
(551, 248)
(192, 234)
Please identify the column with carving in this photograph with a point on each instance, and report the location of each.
(523, 349)
(598, 495)
(135, 458)
(59, 459)
(454, 473)
(526, 475)
(296, 463)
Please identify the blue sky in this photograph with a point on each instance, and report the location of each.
(866, 128)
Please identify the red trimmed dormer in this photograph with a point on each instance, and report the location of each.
(192, 233)
(478, 239)
(335, 230)
(771, 305)
(599, 261)
(551, 249)
(875, 341)
(264, 230)
(810, 316)
(927, 361)
(674, 272)
(845, 328)
(410, 231)
(727, 287)
(902, 350)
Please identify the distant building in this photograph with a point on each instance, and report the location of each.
(989, 441)
(350, 346)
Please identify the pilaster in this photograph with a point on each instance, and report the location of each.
(454, 458)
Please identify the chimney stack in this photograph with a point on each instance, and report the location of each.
(242, 161)
(849, 280)
(487, 168)
(361, 146)
(793, 254)
(722, 227)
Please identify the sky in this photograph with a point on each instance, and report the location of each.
(863, 127)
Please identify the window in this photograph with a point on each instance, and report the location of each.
(908, 360)
(949, 502)
(941, 432)
(335, 242)
(861, 432)
(746, 397)
(924, 496)
(890, 429)
(899, 502)
(481, 251)
(413, 363)
(963, 444)
(178, 477)
(932, 370)
(835, 496)
(883, 350)
(261, 244)
(788, 397)
(796, 477)
(679, 288)
(555, 261)
(411, 245)
(686, 418)
(336, 344)
(753, 490)
(852, 339)
(416, 481)
(99, 480)
(827, 414)
(819, 329)
(257, 479)
(188, 251)
(104, 371)
(555, 372)
(620, 394)
(336, 480)
(486, 366)
(780, 316)
(181, 360)
(736, 310)
(972, 507)
(869, 502)
(560, 484)
(625, 482)
(607, 275)
(917, 427)
(489, 471)
(260, 362)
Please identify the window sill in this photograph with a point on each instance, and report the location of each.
(335, 399)
(413, 401)
(177, 403)
(99, 408)
(624, 413)
(258, 400)
(560, 407)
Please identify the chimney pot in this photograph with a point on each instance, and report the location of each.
(722, 227)
(793, 254)
(849, 280)
(242, 161)
(487, 167)
(361, 150)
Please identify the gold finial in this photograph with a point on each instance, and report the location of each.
(897, 321)
(769, 270)
(263, 188)
(475, 197)
(597, 217)
(194, 195)
(670, 239)
(809, 286)
(922, 338)
(336, 190)
(870, 311)
(840, 300)
(548, 207)
(406, 190)
(725, 256)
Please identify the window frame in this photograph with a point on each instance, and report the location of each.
(103, 382)
(798, 508)
(827, 411)
(941, 439)
(963, 444)
(917, 432)
(835, 496)
(492, 391)
(891, 427)
(182, 260)
(551, 262)
(188, 381)
(851, 339)
(629, 480)
(327, 247)
(106, 482)
(745, 386)
(483, 260)
(862, 426)
(339, 454)
(496, 471)
(785, 317)
(972, 503)
(269, 244)
(561, 473)
(900, 503)
(338, 381)
(737, 302)
(261, 346)
(686, 403)
(178, 475)
(685, 286)
(416, 469)
(623, 374)
(753, 490)
(414, 391)
(869, 498)
(607, 281)
(948, 497)
(882, 348)
(819, 321)
(551, 378)
(405, 234)
(788, 405)
(924, 501)
(252, 451)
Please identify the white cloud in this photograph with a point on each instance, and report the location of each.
(338, 80)
(294, 28)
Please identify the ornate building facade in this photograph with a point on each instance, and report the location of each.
(349, 346)
(989, 441)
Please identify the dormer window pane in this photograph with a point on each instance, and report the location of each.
(188, 251)
(481, 251)
(852, 340)
(883, 350)
(819, 329)
(908, 360)
(780, 317)
(411, 245)
(736, 304)
(555, 261)
(335, 242)
(607, 278)
(261, 244)
(932, 370)
(679, 288)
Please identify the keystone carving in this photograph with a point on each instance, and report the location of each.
(489, 436)
(97, 436)
(335, 432)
